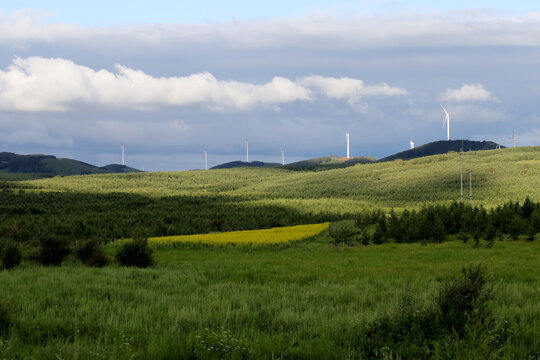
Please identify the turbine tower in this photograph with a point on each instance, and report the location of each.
(205, 160)
(123, 157)
(247, 151)
(447, 122)
(347, 137)
(514, 140)
(411, 142)
(282, 156)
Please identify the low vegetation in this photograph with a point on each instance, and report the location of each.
(280, 235)
(304, 301)
(135, 253)
(400, 299)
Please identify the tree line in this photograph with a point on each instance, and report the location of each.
(433, 223)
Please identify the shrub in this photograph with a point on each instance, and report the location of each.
(91, 253)
(463, 237)
(135, 253)
(342, 231)
(465, 297)
(5, 317)
(460, 316)
(10, 255)
(52, 250)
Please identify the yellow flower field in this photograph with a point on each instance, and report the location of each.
(249, 237)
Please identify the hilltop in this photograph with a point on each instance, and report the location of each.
(442, 147)
(336, 162)
(50, 165)
(329, 162)
(241, 164)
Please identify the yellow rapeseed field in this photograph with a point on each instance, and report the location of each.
(277, 235)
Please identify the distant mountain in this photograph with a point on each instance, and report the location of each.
(237, 164)
(442, 147)
(328, 162)
(50, 165)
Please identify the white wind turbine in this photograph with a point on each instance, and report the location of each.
(411, 142)
(447, 122)
(347, 138)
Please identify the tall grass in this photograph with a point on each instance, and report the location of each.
(306, 301)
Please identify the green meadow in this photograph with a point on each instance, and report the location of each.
(305, 300)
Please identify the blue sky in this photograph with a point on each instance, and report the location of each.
(168, 79)
(106, 12)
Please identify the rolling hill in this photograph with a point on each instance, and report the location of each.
(243, 164)
(336, 162)
(442, 147)
(498, 176)
(329, 162)
(50, 165)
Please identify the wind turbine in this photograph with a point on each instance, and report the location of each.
(282, 156)
(411, 142)
(205, 160)
(247, 151)
(447, 122)
(347, 137)
(123, 157)
(514, 140)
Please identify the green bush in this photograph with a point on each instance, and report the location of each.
(91, 253)
(52, 250)
(342, 232)
(460, 316)
(463, 298)
(5, 316)
(135, 253)
(10, 255)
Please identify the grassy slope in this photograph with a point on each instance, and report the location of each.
(498, 176)
(307, 301)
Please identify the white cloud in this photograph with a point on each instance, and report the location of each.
(352, 90)
(468, 92)
(356, 31)
(41, 84)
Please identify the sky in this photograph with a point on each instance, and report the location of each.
(170, 79)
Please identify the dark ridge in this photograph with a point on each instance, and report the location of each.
(442, 147)
(239, 164)
(49, 165)
(327, 163)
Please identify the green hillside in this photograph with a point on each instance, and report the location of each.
(49, 165)
(328, 163)
(498, 176)
(443, 147)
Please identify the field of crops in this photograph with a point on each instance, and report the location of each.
(279, 235)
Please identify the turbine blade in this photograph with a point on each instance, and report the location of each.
(446, 112)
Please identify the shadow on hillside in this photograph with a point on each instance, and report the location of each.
(26, 215)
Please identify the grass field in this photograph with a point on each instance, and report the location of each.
(299, 301)
(306, 301)
(498, 176)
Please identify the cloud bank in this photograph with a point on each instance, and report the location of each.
(42, 84)
(356, 31)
